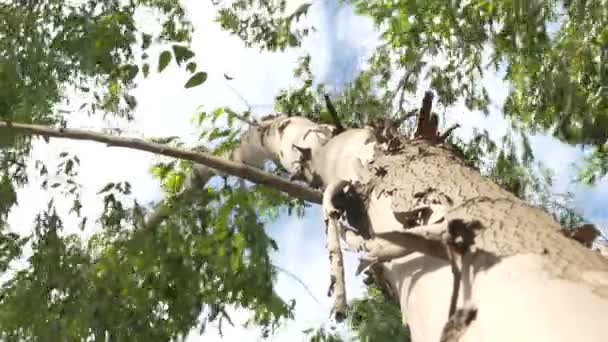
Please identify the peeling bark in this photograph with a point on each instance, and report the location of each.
(337, 288)
(412, 191)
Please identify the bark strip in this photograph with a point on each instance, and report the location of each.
(337, 288)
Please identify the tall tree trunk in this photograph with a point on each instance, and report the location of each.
(423, 219)
(528, 281)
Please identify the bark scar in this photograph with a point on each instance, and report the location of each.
(459, 242)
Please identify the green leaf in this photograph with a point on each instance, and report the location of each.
(131, 101)
(131, 71)
(163, 60)
(106, 188)
(146, 41)
(191, 67)
(182, 54)
(196, 80)
(69, 165)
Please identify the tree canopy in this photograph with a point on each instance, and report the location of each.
(123, 283)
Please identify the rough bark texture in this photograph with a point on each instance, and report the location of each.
(530, 284)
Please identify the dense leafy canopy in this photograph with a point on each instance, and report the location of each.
(554, 53)
(123, 282)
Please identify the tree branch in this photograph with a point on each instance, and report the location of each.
(242, 98)
(334, 114)
(300, 281)
(427, 125)
(447, 132)
(406, 116)
(236, 169)
(401, 89)
(337, 288)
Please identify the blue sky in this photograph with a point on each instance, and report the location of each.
(338, 48)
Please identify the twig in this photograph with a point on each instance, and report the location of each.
(294, 277)
(376, 250)
(460, 248)
(406, 116)
(455, 264)
(236, 169)
(427, 240)
(427, 104)
(401, 88)
(447, 132)
(240, 117)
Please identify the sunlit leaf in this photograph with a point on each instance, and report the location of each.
(196, 80)
(163, 60)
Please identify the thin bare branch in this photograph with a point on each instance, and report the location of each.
(242, 98)
(236, 169)
(401, 89)
(406, 116)
(447, 132)
(294, 277)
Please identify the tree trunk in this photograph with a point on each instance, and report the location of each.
(423, 219)
(528, 282)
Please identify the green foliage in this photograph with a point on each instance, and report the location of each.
(263, 22)
(53, 45)
(554, 55)
(136, 284)
(322, 335)
(125, 283)
(371, 318)
(357, 104)
(518, 174)
(558, 78)
(596, 166)
(374, 318)
(163, 60)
